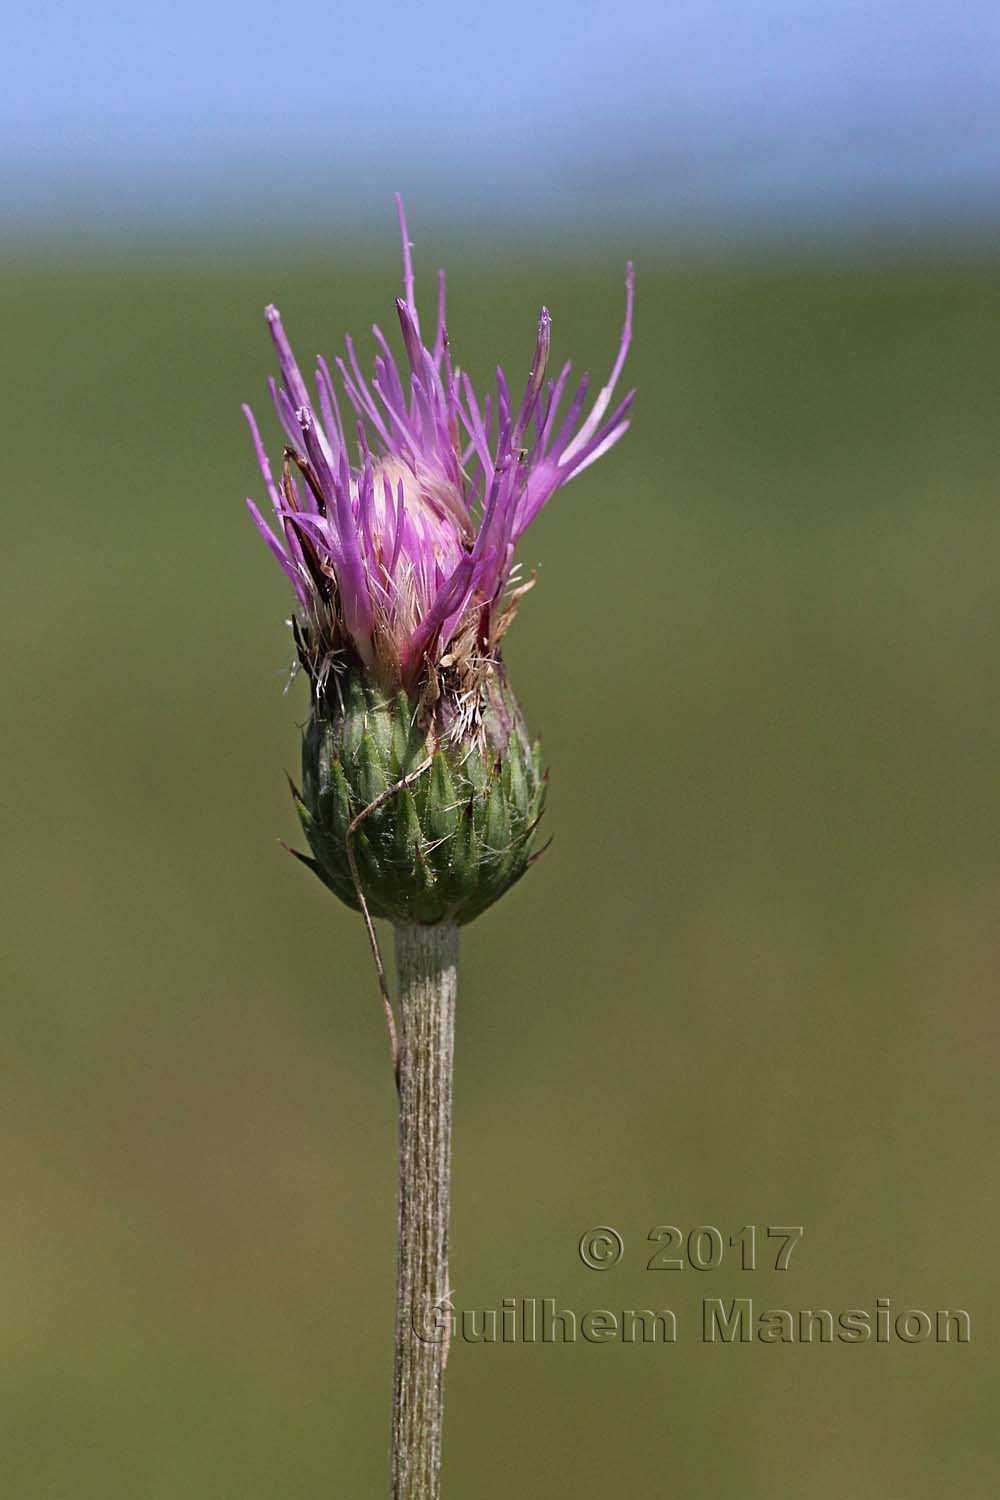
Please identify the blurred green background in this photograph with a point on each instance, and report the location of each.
(752, 981)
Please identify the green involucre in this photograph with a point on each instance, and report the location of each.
(444, 846)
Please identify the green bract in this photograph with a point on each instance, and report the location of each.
(441, 841)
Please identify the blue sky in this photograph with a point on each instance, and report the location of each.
(699, 113)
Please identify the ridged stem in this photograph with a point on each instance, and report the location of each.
(426, 966)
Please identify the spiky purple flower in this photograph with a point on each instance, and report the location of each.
(401, 557)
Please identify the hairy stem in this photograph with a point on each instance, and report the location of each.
(426, 965)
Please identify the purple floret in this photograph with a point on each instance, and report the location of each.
(399, 555)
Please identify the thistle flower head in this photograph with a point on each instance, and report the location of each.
(396, 516)
(397, 510)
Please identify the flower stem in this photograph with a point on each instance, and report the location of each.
(426, 965)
